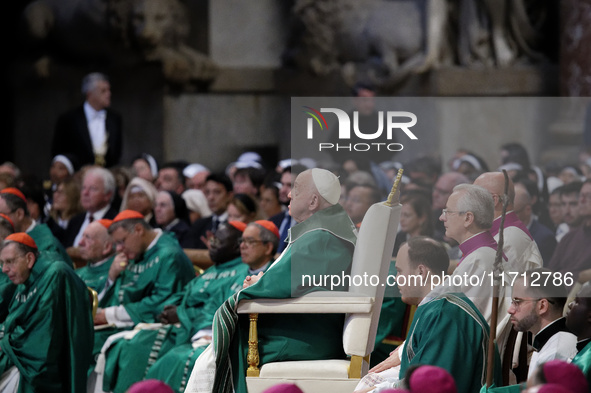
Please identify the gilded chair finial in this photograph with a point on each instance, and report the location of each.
(392, 195)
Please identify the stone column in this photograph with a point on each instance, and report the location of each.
(575, 52)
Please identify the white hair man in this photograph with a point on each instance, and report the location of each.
(321, 243)
(98, 250)
(96, 195)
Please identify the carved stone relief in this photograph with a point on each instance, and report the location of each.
(117, 33)
(383, 42)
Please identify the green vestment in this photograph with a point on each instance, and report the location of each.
(148, 284)
(451, 333)
(7, 289)
(46, 242)
(48, 332)
(95, 276)
(321, 245)
(391, 321)
(128, 361)
(583, 361)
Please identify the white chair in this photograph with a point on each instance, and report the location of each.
(361, 304)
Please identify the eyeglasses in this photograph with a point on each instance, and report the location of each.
(516, 302)
(249, 242)
(446, 212)
(122, 241)
(11, 262)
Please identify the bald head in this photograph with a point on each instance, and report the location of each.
(96, 243)
(494, 182)
(522, 203)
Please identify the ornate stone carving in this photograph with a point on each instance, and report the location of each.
(117, 32)
(385, 41)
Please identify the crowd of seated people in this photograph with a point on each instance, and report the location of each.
(139, 234)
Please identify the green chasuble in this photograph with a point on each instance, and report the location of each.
(46, 242)
(128, 361)
(450, 332)
(148, 284)
(7, 289)
(323, 244)
(392, 321)
(95, 275)
(583, 361)
(48, 333)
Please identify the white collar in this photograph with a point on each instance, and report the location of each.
(158, 234)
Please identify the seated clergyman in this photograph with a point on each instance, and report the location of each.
(149, 269)
(46, 339)
(321, 243)
(447, 329)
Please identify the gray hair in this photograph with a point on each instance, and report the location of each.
(89, 81)
(109, 183)
(266, 235)
(23, 248)
(128, 225)
(479, 201)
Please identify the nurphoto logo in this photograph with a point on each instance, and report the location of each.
(395, 121)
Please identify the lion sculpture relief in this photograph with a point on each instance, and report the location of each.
(117, 32)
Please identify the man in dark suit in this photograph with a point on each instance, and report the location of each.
(92, 132)
(218, 191)
(96, 196)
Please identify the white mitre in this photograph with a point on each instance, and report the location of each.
(327, 184)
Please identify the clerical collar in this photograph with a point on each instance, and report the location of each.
(582, 344)
(546, 333)
(482, 239)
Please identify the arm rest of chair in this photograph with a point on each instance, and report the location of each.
(312, 303)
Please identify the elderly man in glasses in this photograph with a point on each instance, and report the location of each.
(467, 218)
(162, 350)
(46, 338)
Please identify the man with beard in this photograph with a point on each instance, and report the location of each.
(537, 306)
